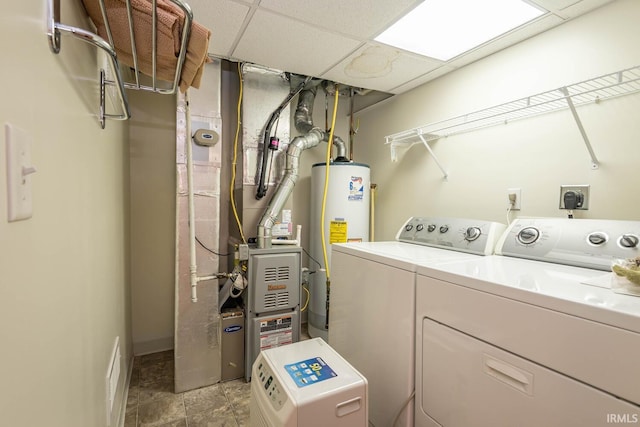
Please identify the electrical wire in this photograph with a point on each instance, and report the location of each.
(326, 184)
(310, 257)
(235, 157)
(508, 216)
(308, 299)
(210, 250)
(395, 420)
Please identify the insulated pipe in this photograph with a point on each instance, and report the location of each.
(292, 168)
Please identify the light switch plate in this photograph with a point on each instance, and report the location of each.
(19, 172)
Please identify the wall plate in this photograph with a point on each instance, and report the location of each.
(581, 190)
(19, 171)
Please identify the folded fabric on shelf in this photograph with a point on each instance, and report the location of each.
(169, 28)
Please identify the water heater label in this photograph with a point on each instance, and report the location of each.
(356, 188)
(338, 232)
(309, 371)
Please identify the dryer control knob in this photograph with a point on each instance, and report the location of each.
(528, 235)
(408, 227)
(629, 241)
(431, 227)
(597, 238)
(444, 228)
(472, 233)
(419, 227)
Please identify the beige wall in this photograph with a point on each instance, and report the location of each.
(536, 154)
(152, 149)
(64, 291)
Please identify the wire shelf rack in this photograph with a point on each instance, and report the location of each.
(594, 90)
(111, 80)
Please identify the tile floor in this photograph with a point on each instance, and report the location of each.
(152, 403)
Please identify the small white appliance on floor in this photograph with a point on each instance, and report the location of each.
(534, 337)
(372, 303)
(307, 384)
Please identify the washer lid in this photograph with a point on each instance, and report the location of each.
(573, 290)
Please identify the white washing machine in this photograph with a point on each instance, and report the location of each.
(523, 339)
(372, 303)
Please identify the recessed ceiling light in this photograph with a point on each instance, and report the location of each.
(443, 29)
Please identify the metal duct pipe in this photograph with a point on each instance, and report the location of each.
(312, 136)
(303, 120)
(303, 117)
(341, 149)
(296, 147)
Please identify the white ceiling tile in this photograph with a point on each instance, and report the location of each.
(224, 26)
(553, 5)
(362, 19)
(309, 37)
(380, 67)
(582, 7)
(289, 45)
(431, 75)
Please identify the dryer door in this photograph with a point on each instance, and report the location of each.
(467, 382)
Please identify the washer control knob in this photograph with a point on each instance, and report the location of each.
(472, 233)
(444, 228)
(629, 241)
(419, 227)
(528, 235)
(597, 238)
(431, 227)
(408, 227)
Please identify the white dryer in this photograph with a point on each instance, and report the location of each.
(372, 303)
(524, 339)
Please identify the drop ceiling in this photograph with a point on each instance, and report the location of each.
(334, 39)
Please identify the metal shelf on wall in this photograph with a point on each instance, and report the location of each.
(112, 76)
(594, 90)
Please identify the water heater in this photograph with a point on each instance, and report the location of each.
(346, 219)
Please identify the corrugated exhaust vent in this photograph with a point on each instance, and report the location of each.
(276, 274)
(276, 299)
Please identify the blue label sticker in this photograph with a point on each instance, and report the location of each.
(309, 371)
(356, 189)
(234, 328)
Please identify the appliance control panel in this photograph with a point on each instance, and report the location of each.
(270, 385)
(464, 235)
(591, 243)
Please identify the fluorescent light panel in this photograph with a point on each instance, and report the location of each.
(443, 29)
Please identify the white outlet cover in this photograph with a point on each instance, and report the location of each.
(518, 192)
(19, 172)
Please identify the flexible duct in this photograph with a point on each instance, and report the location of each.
(296, 147)
(312, 136)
